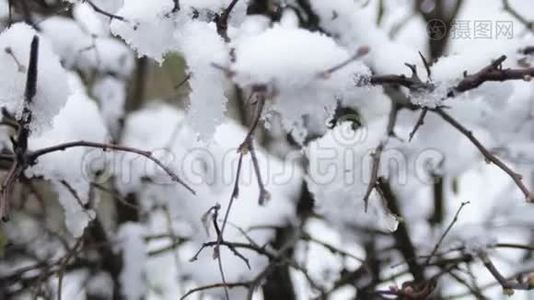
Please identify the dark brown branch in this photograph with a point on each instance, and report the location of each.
(375, 168)
(517, 178)
(245, 147)
(176, 7)
(215, 286)
(221, 271)
(377, 153)
(401, 80)
(103, 12)
(64, 262)
(29, 93)
(528, 50)
(508, 8)
(331, 248)
(33, 156)
(419, 123)
(232, 247)
(489, 285)
(6, 188)
(507, 285)
(453, 221)
(235, 194)
(473, 290)
(114, 195)
(362, 51)
(20, 145)
(312, 20)
(264, 195)
(74, 193)
(222, 21)
(401, 235)
(492, 72)
(183, 81)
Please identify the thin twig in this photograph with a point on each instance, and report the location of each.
(20, 145)
(492, 72)
(362, 51)
(63, 265)
(332, 248)
(215, 286)
(473, 290)
(183, 81)
(223, 277)
(103, 12)
(508, 8)
(507, 285)
(377, 154)
(401, 235)
(222, 21)
(264, 195)
(517, 178)
(114, 195)
(419, 123)
(33, 156)
(451, 224)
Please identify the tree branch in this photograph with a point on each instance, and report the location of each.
(517, 178)
(33, 156)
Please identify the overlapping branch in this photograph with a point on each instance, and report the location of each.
(23, 158)
(492, 72)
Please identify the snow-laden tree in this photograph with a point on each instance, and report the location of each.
(313, 149)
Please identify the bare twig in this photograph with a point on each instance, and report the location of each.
(114, 195)
(377, 154)
(245, 147)
(264, 195)
(176, 7)
(401, 235)
(223, 277)
(222, 20)
(33, 156)
(183, 81)
(473, 290)
(492, 72)
(453, 221)
(375, 168)
(71, 252)
(215, 286)
(507, 285)
(20, 145)
(529, 25)
(362, 51)
(103, 12)
(6, 188)
(220, 233)
(419, 123)
(517, 178)
(426, 64)
(331, 248)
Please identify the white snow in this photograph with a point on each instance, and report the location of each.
(51, 82)
(78, 120)
(132, 244)
(202, 47)
(294, 65)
